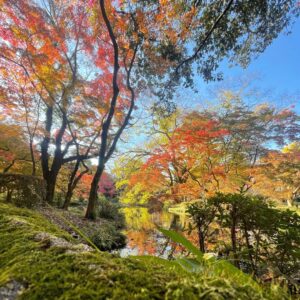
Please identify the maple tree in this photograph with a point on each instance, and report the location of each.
(52, 49)
(252, 130)
(78, 69)
(279, 174)
(170, 170)
(197, 154)
(14, 152)
(170, 45)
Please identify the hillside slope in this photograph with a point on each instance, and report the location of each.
(40, 261)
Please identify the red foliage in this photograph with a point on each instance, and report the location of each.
(106, 186)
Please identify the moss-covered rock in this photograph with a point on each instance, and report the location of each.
(44, 270)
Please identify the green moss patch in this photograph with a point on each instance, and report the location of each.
(48, 271)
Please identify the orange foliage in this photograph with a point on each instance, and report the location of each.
(180, 168)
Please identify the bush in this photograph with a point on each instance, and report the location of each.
(264, 240)
(59, 199)
(23, 190)
(110, 211)
(108, 238)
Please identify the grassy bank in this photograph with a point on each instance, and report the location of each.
(40, 261)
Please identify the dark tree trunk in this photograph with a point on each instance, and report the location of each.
(233, 235)
(250, 249)
(50, 188)
(51, 175)
(9, 195)
(201, 239)
(45, 143)
(71, 186)
(90, 211)
(32, 158)
(50, 181)
(68, 197)
(104, 153)
(73, 183)
(9, 166)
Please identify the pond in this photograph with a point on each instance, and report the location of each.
(143, 238)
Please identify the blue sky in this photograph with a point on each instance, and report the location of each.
(277, 70)
(280, 63)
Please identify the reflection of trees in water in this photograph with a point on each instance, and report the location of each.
(170, 248)
(142, 233)
(138, 218)
(144, 238)
(173, 226)
(141, 240)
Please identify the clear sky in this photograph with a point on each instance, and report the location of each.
(276, 70)
(280, 63)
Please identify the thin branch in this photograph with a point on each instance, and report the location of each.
(207, 36)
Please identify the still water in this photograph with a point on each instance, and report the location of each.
(142, 235)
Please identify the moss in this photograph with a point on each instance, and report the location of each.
(107, 237)
(54, 273)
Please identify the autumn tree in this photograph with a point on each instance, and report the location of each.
(199, 153)
(252, 130)
(177, 166)
(14, 153)
(61, 60)
(279, 174)
(73, 55)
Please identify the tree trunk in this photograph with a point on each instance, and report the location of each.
(9, 195)
(73, 181)
(32, 158)
(71, 186)
(201, 240)
(68, 197)
(50, 188)
(233, 235)
(51, 175)
(45, 143)
(250, 249)
(90, 211)
(9, 166)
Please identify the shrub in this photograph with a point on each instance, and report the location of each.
(110, 211)
(59, 199)
(23, 190)
(264, 240)
(107, 238)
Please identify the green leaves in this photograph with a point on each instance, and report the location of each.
(190, 265)
(205, 265)
(178, 238)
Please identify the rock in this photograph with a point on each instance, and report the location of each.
(11, 290)
(53, 241)
(17, 221)
(79, 248)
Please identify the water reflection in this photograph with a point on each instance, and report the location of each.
(142, 236)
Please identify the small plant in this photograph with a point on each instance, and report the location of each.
(109, 210)
(200, 263)
(108, 238)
